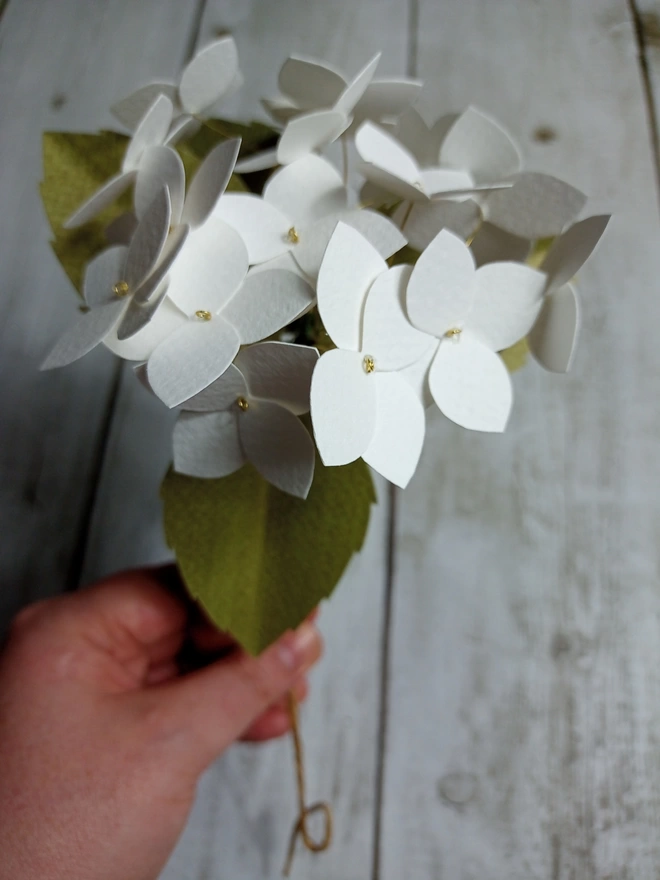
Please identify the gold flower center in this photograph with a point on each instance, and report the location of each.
(242, 404)
(120, 288)
(454, 333)
(369, 364)
(203, 315)
(292, 235)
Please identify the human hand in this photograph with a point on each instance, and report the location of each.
(102, 739)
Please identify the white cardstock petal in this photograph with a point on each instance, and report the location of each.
(356, 89)
(101, 275)
(279, 371)
(263, 228)
(141, 346)
(388, 163)
(210, 268)
(343, 407)
(130, 111)
(148, 241)
(140, 313)
(481, 146)
(210, 182)
(470, 384)
(160, 167)
(102, 198)
(307, 190)
(417, 375)
(209, 75)
(257, 162)
(536, 206)
(386, 98)
(281, 109)
(400, 427)
(438, 181)
(442, 286)
(122, 229)
(85, 334)
(426, 219)
(266, 302)
(223, 394)
(311, 84)
(308, 133)
(151, 132)
(553, 338)
(207, 445)
(572, 250)
(388, 335)
(191, 358)
(278, 445)
(507, 302)
(491, 244)
(348, 270)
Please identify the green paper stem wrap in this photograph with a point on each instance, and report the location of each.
(258, 560)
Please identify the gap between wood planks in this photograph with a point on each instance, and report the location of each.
(386, 639)
(638, 20)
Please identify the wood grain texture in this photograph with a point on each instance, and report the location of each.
(525, 694)
(646, 14)
(54, 424)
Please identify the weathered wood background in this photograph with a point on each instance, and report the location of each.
(489, 706)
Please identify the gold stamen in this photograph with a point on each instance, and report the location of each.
(292, 235)
(120, 288)
(242, 404)
(203, 315)
(369, 364)
(454, 333)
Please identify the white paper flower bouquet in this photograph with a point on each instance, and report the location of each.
(248, 297)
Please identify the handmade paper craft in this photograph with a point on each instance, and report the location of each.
(302, 332)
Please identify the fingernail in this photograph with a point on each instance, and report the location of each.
(297, 648)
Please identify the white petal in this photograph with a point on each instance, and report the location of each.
(139, 313)
(160, 167)
(440, 181)
(507, 301)
(308, 133)
(210, 182)
(207, 445)
(553, 339)
(388, 335)
(572, 250)
(85, 334)
(416, 136)
(266, 302)
(219, 395)
(307, 190)
(102, 198)
(386, 98)
(417, 375)
(343, 406)
(388, 163)
(183, 127)
(209, 75)
(442, 285)
(279, 371)
(400, 427)
(140, 347)
(130, 111)
(262, 226)
(148, 240)
(210, 268)
(425, 220)
(536, 206)
(481, 146)
(376, 228)
(101, 275)
(357, 87)
(151, 132)
(349, 267)
(471, 385)
(122, 229)
(491, 244)
(191, 358)
(257, 162)
(280, 109)
(311, 84)
(279, 447)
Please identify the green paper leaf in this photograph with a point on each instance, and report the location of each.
(254, 136)
(258, 560)
(75, 166)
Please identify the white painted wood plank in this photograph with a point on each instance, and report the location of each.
(61, 65)
(525, 691)
(246, 806)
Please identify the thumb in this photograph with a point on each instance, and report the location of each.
(208, 710)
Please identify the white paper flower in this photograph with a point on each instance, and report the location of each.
(298, 212)
(124, 285)
(553, 338)
(250, 414)
(212, 75)
(361, 407)
(318, 125)
(138, 160)
(474, 313)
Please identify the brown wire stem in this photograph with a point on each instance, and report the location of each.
(300, 829)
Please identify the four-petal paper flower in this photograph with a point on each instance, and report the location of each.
(360, 405)
(298, 212)
(212, 74)
(251, 414)
(474, 313)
